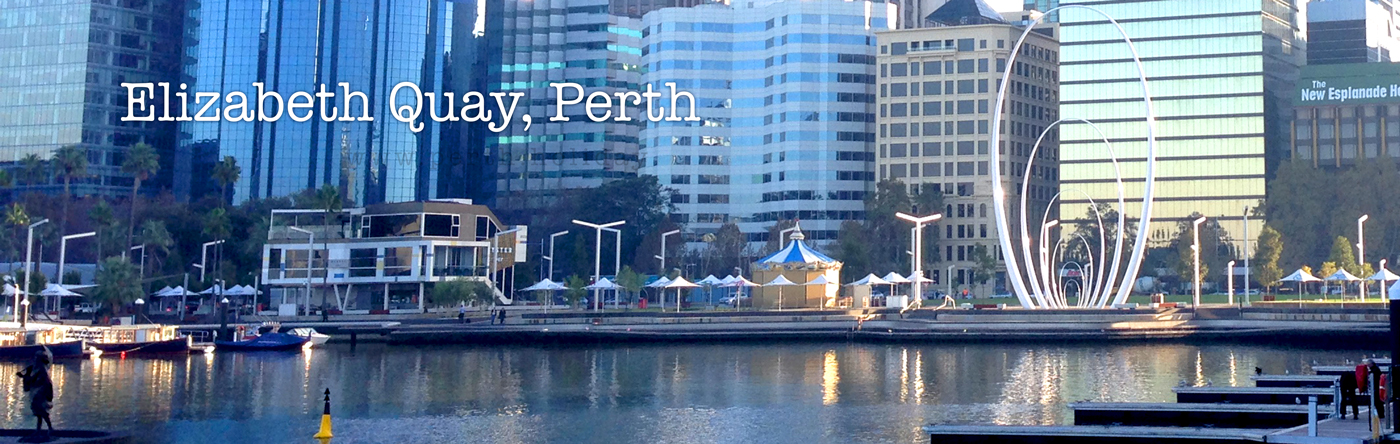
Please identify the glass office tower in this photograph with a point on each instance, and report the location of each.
(785, 92)
(296, 46)
(62, 64)
(1221, 76)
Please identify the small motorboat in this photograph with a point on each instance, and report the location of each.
(70, 349)
(271, 341)
(149, 339)
(311, 334)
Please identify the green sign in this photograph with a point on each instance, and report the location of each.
(1348, 85)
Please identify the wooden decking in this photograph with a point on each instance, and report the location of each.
(1329, 431)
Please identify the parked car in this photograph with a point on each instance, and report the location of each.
(87, 308)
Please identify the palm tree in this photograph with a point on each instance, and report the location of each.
(70, 162)
(117, 283)
(327, 199)
(16, 216)
(155, 236)
(33, 169)
(102, 217)
(226, 173)
(141, 162)
(217, 226)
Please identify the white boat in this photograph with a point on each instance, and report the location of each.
(310, 333)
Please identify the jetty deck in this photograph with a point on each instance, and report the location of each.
(1295, 380)
(1256, 395)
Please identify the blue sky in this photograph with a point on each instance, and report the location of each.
(1006, 5)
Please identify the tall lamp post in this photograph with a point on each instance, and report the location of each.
(310, 251)
(617, 261)
(1196, 258)
(662, 256)
(28, 270)
(1230, 281)
(550, 258)
(204, 257)
(63, 251)
(1246, 255)
(918, 267)
(1361, 249)
(598, 253)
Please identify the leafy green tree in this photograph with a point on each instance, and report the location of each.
(117, 284)
(1089, 230)
(1341, 256)
(630, 280)
(73, 277)
(728, 249)
(576, 290)
(984, 266)
(70, 162)
(226, 173)
(853, 248)
(1267, 251)
(141, 163)
(6, 180)
(36, 284)
(459, 291)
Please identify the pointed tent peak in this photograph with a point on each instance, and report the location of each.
(163, 291)
(1395, 290)
(680, 282)
(709, 280)
(659, 282)
(797, 231)
(740, 282)
(1300, 276)
(602, 284)
(56, 290)
(820, 280)
(965, 12)
(797, 252)
(1384, 275)
(870, 279)
(779, 281)
(896, 278)
(727, 280)
(1343, 275)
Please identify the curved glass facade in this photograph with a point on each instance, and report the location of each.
(1220, 75)
(295, 46)
(786, 99)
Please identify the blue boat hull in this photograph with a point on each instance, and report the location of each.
(266, 342)
(173, 346)
(73, 349)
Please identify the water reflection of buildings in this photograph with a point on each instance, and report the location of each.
(714, 392)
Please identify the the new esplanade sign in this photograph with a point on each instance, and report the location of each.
(1353, 84)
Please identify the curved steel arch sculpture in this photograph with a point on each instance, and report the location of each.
(1029, 296)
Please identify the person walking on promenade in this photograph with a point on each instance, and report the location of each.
(1375, 384)
(462, 313)
(503, 317)
(38, 386)
(1350, 395)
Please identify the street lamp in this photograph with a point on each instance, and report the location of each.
(1230, 281)
(1361, 249)
(28, 267)
(918, 267)
(597, 253)
(550, 258)
(310, 250)
(1196, 258)
(24, 316)
(204, 257)
(617, 261)
(663, 249)
(141, 308)
(1246, 254)
(63, 251)
(1045, 257)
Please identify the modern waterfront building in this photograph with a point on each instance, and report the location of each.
(1221, 78)
(1352, 31)
(563, 41)
(298, 46)
(937, 89)
(385, 258)
(785, 96)
(62, 64)
(1346, 114)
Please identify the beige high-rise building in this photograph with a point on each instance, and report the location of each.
(937, 87)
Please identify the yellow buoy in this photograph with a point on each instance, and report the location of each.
(325, 431)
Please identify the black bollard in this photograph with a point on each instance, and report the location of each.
(1394, 355)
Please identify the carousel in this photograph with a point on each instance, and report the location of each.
(796, 276)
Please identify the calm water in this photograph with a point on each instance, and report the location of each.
(781, 393)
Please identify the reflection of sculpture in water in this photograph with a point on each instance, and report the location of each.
(38, 387)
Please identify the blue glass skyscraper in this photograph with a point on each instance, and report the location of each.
(296, 46)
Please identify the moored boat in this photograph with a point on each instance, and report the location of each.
(311, 334)
(147, 339)
(169, 346)
(70, 349)
(270, 341)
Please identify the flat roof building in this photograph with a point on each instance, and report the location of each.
(1346, 114)
(384, 258)
(937, 90)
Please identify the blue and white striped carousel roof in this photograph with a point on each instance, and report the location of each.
(797, 252)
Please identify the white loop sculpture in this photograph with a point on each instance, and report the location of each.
(1030, 290)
